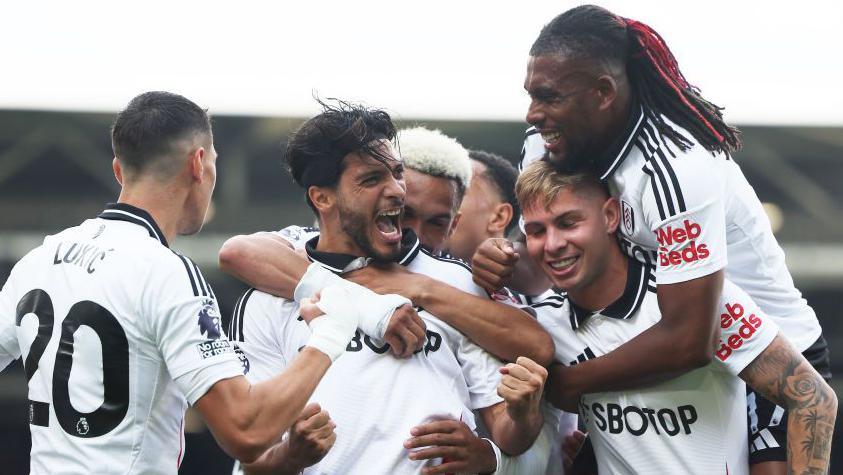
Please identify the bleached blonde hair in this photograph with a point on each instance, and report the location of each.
(433, 153)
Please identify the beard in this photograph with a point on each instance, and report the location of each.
(356, 225)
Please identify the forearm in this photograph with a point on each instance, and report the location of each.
(276, 461)
(783, 376)
(265, 262)
(504, 331)
(654, 355)
(528, 277)
(534, 460)
(514, 435)
(247, 419)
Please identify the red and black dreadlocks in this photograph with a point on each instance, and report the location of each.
(594, 32)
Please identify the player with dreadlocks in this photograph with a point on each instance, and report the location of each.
(607, 96)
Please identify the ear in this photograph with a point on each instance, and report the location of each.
(118, 170)
(607, 91)
(501, 216)
(323, 198)
(611, 214)
(195, 164)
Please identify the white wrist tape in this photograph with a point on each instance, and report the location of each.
(330, 333)
(373, 310)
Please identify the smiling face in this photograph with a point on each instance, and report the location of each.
(572, 238)
(570, 106)
(369, 202)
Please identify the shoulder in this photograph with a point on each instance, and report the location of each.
(298, 235)
(450, 270)
(532, 150)
(171, 272)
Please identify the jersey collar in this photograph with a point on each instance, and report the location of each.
(637, 282)
(620, 148)
(341, 263)
(131, 214)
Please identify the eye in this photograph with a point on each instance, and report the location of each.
(534, 231)
(370, 180)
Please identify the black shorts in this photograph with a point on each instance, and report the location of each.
(767, 422)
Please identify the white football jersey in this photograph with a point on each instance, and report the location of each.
(118, 333)
(690, 214)
(692, 424)
(374, 398)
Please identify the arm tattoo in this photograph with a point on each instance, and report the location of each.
(783, 376)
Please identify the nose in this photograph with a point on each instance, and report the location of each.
(555, 242)
(396, 188)
(535, 113)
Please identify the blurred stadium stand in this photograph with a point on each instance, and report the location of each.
(55, 172)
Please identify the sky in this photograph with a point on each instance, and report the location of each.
(767, 62)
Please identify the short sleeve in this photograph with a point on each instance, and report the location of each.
(9, 346)
(745, 331)
(480, 370)
(298, 236)
(183, 322)
(684, 207)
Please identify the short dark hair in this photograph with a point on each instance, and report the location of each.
(148, 126)
(315, 152)
(502, 175)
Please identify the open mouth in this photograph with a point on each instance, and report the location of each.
(563, 265)
(551, 139)
(388, 223)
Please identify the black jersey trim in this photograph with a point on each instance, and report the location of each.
(235, 327)
(185, 261)
(131, 214)
(637, 284)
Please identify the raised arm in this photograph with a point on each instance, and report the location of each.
(268, 262)
(783, 376)
(516, 423)
(265, 261)
(499, 262)
(687, 332)
(504, 331)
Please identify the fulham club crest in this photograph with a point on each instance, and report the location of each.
(627, 218)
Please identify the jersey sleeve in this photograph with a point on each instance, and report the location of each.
(745, 330)
(9, 346)
(298, 236)
(266, 333)
(480, 370)
(183, 322)
(684, 207)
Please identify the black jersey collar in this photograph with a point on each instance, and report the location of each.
(342, 263)
(637, 282)
(132, 214)
(620, 148)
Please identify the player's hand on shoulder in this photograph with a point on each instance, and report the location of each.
(521, 387)
(405, 332)
(455, 443)
(311, 437)
(493, 263)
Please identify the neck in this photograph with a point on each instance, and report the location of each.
(334, 240)
(621, 112)
(607, 288)
(163, 203)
